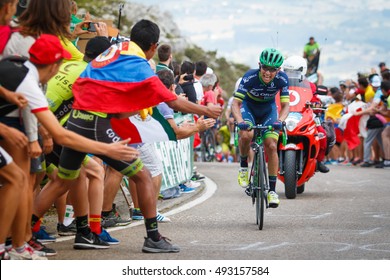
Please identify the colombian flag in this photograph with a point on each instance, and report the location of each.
(119, 80)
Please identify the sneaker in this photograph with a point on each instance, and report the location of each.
(162, 219)
(386, 164)
(357, 161)
(346, 163)
(243, 177)
(161, 246)
(273, 199)
(137, 214)
(171, 193)
(106, 237)
(107, 223)
(41, 249)
(334, 162)
(114, 219)
(379, 164)
(119, 221)
(90, 241)
(322, 167)
(366, 164)
(185, 189)
(197, 177)
(27, 254)
(43, 237)
(69, 230)
(4, 256)
(193, 184)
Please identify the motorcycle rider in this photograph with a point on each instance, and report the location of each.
(254, 103)
(296, 66)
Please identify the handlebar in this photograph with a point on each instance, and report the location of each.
(275, 126)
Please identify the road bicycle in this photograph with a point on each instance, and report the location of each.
(208, 146)
(258, 177)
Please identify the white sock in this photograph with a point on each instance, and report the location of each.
(68, 215)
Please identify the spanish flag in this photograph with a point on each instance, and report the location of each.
(119, 80)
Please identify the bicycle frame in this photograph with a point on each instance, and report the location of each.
(258, 179)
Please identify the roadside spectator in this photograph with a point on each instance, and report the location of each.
(200, 70)
(75, 23)
(385, 112)
(165, 61)
(187, 71)
(208, 83)
(46, 57)
(382, 67)
(164, 53)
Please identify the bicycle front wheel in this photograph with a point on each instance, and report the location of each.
(259, 190)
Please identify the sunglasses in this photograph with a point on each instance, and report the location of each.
(268, 68)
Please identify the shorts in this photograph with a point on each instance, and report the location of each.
(95, 128)
(150, 158)
(5, 158)
(261, 113)
(53, 159)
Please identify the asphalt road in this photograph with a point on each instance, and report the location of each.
(342, 215)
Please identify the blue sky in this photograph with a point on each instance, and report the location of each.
(352, 34)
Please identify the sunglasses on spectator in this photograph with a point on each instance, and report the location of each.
(268, 68)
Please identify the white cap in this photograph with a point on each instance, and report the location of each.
(209, 70)
(376, 81)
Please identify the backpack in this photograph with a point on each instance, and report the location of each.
(12, 73)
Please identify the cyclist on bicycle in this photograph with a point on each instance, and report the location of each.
(254, 103)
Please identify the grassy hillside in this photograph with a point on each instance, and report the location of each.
(227, 71)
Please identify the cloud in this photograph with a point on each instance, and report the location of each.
(352, 34)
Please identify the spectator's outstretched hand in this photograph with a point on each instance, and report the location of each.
(214, 111)
(204, 124)
(120, 151)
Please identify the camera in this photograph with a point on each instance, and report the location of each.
(188, 77)
(91, 26)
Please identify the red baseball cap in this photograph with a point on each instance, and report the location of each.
(47, 49)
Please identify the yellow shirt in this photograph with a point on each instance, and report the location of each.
(369, 94)
(76, 54)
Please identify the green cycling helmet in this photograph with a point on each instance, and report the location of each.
(271, 57)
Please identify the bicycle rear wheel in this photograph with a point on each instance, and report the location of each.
(208, 149)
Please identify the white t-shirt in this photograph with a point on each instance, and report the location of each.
(198, 89)
(29, 87)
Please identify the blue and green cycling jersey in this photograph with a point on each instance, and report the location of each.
(253, 89)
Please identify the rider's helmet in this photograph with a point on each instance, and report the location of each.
(295, 65)
(271, 57)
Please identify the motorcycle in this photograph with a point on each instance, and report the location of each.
(297, 158)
